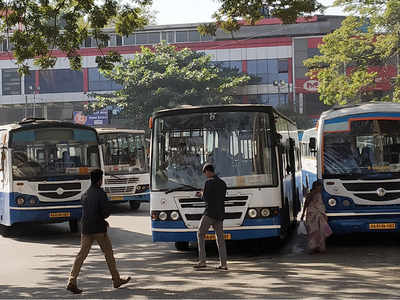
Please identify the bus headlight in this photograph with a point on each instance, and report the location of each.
(32, 201)
(252, 213)
(163, 216)
(332, 202)
(265, 212)
(174, 215)
(20, 200)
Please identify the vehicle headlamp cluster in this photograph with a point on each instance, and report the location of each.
(165, 215)
(262, 212)
(26, 201)
(141, 188)
(332, 202)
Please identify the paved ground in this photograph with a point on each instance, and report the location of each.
(37, 260)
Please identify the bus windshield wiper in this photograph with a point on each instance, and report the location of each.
(180, 187)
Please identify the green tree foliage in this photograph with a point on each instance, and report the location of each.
(36, 27)
(165, 77)
(231, 12)
(372, 39)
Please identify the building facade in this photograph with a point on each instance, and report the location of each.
(272, 51)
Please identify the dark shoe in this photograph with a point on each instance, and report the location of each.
(222, 268)
(121, 282)
(199, 266)
(73, 289)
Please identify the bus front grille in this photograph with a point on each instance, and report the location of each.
(121, 180)
(371, 186)
(197, 217)
(120, 189)
(375, 197)
(56, 186)
(55, 195)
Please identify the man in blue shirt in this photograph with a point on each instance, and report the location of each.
(214, 196)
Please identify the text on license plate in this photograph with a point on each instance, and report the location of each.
(382, 226)
(60, 214)
(213, 237)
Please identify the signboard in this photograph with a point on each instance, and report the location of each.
(307, 86)
(97, 118)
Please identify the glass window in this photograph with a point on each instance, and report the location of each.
(118, 40)
(11, 82)
(194, 36)
(236, 64)
(171, 36)
(60, 81)
(262, 66)
(311, 52)
(239, 144)
(97, 82)
(252, 67)
(141, 38)
(153, 37)
(88, 43)
(164, 36)
(283, 66)
(129, 40)
(29, 82)
(272, 65)
(181, 36)
(206, 38)
(284, 77)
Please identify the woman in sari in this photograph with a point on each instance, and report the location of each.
(316, 220)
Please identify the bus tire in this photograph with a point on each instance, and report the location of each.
(182, 246)
(73, 226)
(134, 204)
(5, 231)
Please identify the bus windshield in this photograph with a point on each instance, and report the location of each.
(238, 144)
(124, 153)
(53, 152)
(370, 147)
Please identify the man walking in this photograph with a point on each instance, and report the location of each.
(95, 209)
(214, 195)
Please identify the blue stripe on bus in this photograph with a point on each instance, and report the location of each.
(43, 215)
(346, 118)
(235, 235)
(340, 225)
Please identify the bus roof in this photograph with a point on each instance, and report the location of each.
(40, 123)
(189, 109)
(363, 108)
(118, 130)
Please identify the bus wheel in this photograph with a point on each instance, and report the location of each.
(73, 226)
(5, 231)
(182, 246)
(134, 204)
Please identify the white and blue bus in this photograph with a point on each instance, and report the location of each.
(308, 157)
(44, 169)
(255, 150)
(359, 163)
(126, 166)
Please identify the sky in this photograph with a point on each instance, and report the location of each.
(197, 11)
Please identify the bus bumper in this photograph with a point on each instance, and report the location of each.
(175, 231)
(45, 214)
(142, 197)
(363, 224)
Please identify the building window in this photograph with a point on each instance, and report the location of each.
(266, 71)
(181, 36)
(118, 40)
(194, 36)
(60, 81)
(11, 82)
(233, 64)
(283, 66)
(275, 100)
(153, 38)
(30, 82)
(311, 52)
(141, 38)
(88, 42)
(129, 40)
(97, 82)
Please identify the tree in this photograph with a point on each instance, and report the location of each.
(232, 12)
(360, 54)
(36, 27)
(165, 77)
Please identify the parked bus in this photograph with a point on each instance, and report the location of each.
(359, 163)
(126, 166)
(44, 169)
(308, 157)
(255, 150)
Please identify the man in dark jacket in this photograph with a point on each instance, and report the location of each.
(214, 196)
(95, 209)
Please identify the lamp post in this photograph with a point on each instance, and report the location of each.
(279, 84)
(34, 89)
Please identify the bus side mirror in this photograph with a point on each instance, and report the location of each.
(312, 144)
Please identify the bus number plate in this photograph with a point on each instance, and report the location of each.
(60, 214)
(382, 226)
(213, 237)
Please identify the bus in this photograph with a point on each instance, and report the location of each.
(254, 149)
(44, 169)
(308, 157)
(126, 166)
(359, 163)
